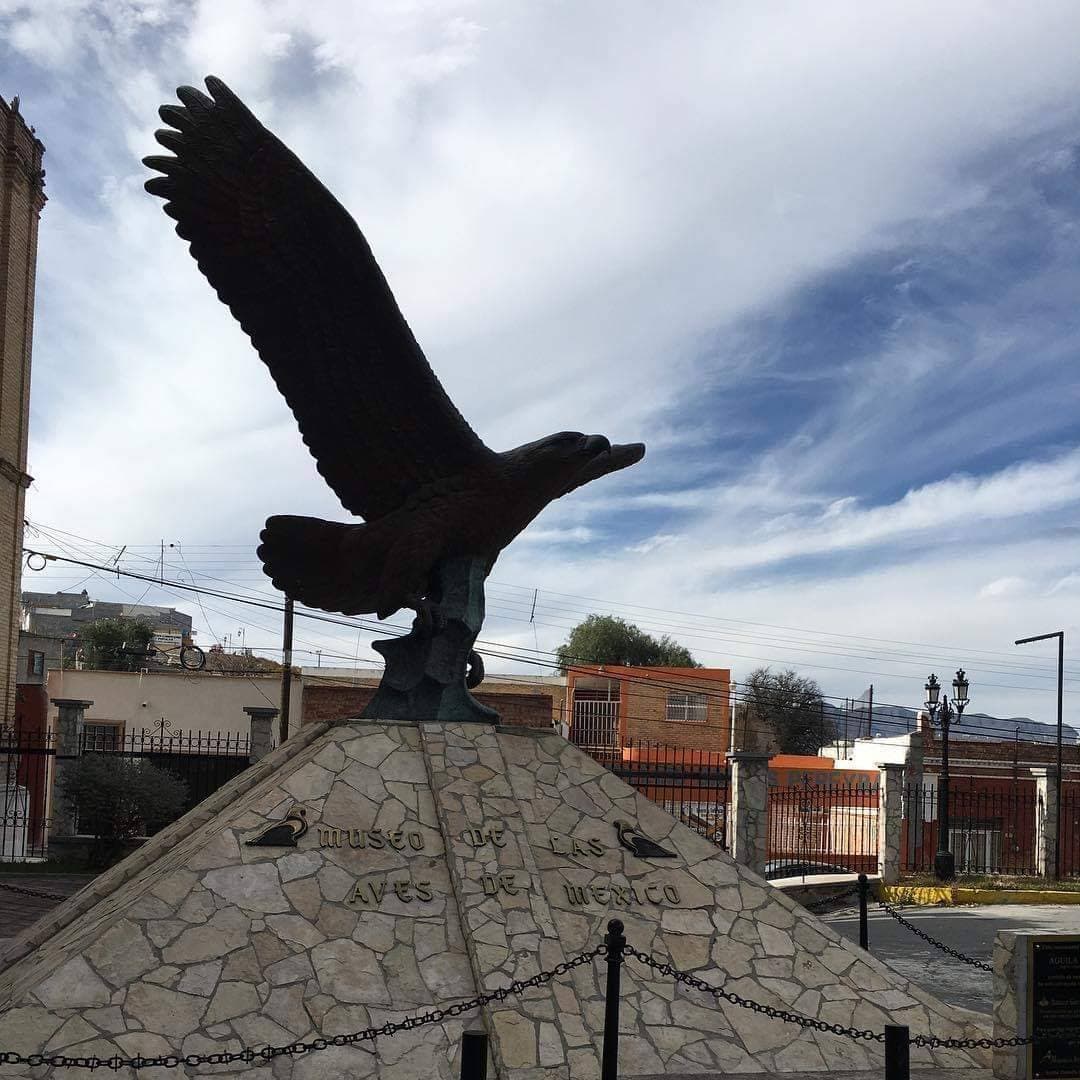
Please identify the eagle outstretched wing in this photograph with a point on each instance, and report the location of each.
(295, 270)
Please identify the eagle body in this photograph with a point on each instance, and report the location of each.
(298, 274)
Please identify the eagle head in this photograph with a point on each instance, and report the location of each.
(564, 461)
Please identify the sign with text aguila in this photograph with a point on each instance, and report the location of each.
(1054, 1007)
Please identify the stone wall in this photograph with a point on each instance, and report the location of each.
(441, 860)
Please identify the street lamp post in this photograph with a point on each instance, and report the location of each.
(1060, 635)
(944, 860)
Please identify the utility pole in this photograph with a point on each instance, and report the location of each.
(286, 671)
(1060, 635)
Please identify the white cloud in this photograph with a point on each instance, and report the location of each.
(569, 206)
(1004, 587)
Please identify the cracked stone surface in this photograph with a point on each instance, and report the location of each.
(441, 861)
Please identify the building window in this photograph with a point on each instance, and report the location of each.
(102, 736)
(35, 663)
(687, 707)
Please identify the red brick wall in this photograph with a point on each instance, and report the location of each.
(643, 694)
(344, 702)
(990, 757)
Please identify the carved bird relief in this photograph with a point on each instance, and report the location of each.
(639, 844)
(283, 833)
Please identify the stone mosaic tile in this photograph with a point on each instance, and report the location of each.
(439, 861)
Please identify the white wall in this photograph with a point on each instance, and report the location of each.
(190, 701)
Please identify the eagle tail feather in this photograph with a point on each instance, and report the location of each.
(325, 564)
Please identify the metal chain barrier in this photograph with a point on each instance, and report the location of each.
(820, 905)
(33, 892)
(928, 1041)
(268, 1053)
(934, 941)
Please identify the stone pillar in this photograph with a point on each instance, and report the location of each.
(890, 821)
(1046, 820)
(69, 729)
(750, 809)
(262, 730)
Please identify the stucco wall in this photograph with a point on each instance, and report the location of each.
(191, 702)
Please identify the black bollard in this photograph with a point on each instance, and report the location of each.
(864, 929)
(474, 1055)
(616, 942)
(897, 1053)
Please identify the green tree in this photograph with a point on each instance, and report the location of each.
(116, 644)
(117, 799)
(782, 712)
(605, 639)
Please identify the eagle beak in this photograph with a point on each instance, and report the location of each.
(606, 459)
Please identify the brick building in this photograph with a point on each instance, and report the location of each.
(521, 702)
(22, 197)
(610, 705)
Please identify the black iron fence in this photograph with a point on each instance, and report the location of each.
(1069, 829)
(26, 771)
(821, 828)
(203, 760)
(992, 829)
(691, 785)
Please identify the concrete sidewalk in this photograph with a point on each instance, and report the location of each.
(18, 911)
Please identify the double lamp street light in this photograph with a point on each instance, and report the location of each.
(944, 861)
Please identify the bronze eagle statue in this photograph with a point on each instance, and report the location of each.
(437, 504)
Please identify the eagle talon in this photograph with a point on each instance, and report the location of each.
(430, 619)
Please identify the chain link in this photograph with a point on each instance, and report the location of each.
(819, 905)
(693, 981)
(33, 892)
(928, 1041)
(934, 941)
(268, 1053)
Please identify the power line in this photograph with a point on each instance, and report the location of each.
(794, 643)
(505, 652)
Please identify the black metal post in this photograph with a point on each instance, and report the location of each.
(864, 929)
(944, 861)
(897, 1052)
(616, 942)
(1057, 779)
(474, 1055)
(286, 671)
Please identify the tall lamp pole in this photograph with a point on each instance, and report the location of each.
(944, 860)
(1060, 635)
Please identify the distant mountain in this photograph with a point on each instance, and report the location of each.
(896, 720)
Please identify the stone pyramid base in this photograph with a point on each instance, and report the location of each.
(440, 862)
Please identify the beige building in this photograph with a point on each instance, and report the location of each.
(21, 198)
(189, 702)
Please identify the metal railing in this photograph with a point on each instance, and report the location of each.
(691, 785)
(204, 760)
(1069, 829)
(991, 829)
(814, 827)
(26, 770)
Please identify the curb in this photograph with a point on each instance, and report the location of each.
(950, 895)
(918, 894)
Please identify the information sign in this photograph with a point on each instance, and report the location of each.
(1054, 1007)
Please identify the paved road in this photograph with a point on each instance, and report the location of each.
(970, 930)
(18, 911)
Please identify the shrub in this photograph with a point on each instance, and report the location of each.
(118, 799)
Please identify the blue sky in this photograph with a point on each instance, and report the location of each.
(825, 265)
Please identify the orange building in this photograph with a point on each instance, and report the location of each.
(610, 706)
